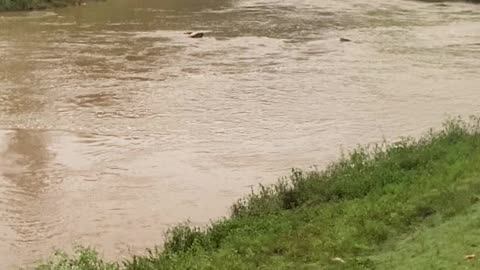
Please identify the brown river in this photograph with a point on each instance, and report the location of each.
(115, 126)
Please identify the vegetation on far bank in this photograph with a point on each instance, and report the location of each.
(17, 5)
(413, 204)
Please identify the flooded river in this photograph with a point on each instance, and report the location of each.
(115, 126)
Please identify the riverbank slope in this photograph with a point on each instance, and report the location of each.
(408, 205)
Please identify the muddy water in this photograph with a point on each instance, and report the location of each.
(115, 126)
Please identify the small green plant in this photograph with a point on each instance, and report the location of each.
(83, 259)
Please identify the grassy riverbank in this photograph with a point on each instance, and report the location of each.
(408, 205)
(18, 5)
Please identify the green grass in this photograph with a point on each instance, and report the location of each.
(407, 205)
(441, 247)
